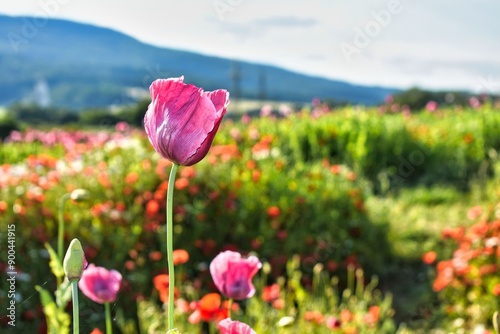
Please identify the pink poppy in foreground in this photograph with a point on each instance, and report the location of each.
(227, 326)
(99, 284)
(182, 120)
(233, 275)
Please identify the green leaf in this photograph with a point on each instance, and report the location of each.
(63, 294)
(45, 297)
(58, 321)
(55, 263)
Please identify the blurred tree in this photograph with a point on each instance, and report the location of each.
(99, 117)
(415, 98)
(32, 113)
(135, 114)
(7, 125)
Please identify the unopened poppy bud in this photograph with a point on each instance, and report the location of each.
(266, 268)
(285, 321)
(496, 321)
(74, 261)
(318, 268)
(80, 195)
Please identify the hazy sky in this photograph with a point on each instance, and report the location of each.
(437, 44)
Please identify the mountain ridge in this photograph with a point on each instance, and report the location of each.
(89, 66)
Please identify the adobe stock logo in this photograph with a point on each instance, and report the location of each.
(30, 27)
(488, 85)
(363, 37)
(223, 6)
(407, 167)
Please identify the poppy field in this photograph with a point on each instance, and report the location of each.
(350, 220)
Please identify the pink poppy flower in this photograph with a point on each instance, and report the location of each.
(233, 275)
(227, 326)
(182, 120)
(99, 284)
(431, 106)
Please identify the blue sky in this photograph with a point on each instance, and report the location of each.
(435, 44)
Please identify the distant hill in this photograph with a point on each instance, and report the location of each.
(88, 66)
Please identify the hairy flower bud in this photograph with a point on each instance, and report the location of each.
(74, 261)
(80, 195)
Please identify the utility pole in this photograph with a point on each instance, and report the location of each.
(262, 85)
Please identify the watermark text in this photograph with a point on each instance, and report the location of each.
(11, 274)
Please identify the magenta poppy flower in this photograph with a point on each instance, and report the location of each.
(233, 275)
(227, 326)
(99, 284)
(182, 120)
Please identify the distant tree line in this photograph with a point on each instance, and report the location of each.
(416, 98)
(22, 114)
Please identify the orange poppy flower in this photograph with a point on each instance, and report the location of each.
(181, 183)
(161, 284)
(132, 177)
(152, 208)
(181, 256)
(271, 293)
(429, 257)
(211, 308)
(273, 211)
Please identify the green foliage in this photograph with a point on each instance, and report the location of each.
(7, 125)
(58, 321)
(393, 151)
(34, 114)
(324, 307)
(55, 263)
(135, 115)
(99, 117)
(417, 98)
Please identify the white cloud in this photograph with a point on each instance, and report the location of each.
(436, 44)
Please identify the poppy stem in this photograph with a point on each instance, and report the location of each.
(60, 231)
(230, 306)
(109, 327)
(76, 315)
(170, 248)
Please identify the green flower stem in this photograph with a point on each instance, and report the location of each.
(230, 306)
(359, 283)
(60, 231)
(109, 327)
(170, 248)
(76, 317)
(350, 278)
